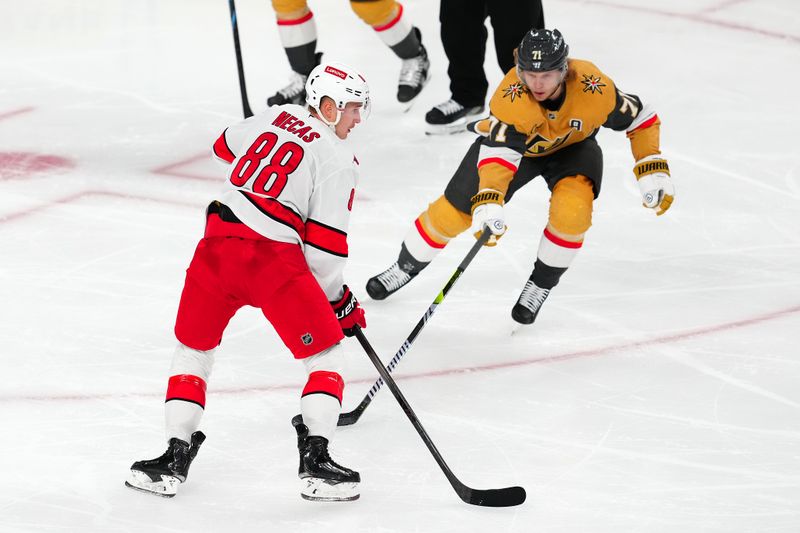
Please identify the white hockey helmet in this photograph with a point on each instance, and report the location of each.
(339, 82)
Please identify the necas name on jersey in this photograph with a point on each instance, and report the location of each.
(292, 124)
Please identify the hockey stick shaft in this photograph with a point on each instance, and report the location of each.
(504, 497)
(239, 64)
(351, 417)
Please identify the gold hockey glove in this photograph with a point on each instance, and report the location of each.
(487, 211)
(655, 183)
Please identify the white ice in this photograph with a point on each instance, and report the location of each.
(659, 391)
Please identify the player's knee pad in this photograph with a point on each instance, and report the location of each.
(192, 362)
(375, 12)
(571, 205)
(290, 9)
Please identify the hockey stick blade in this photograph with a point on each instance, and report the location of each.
(351, 417)
(505, 497)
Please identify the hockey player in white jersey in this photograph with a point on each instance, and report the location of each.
(275, 239)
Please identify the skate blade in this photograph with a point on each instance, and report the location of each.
(322, 490)
(166, 488)
(459, 126)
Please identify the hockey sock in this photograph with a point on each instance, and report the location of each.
(186, 391)
(321, 399)
(321, 402)
(393, 28)
(553, 258)
(298, 34)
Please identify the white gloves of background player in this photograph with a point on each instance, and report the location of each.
(655, 184)
(487, 211)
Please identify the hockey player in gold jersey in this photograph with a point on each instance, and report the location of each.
(544, 118)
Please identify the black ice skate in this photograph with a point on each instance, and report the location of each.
(161, 476)
(529, 303)
(413, 75)
(450, 117)
(389, 281)
(323, 479)
(293, 93)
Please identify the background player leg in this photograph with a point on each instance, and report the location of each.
(463, 35)
(510, 22)
(298, 33)
(393, 28)
(570, 218)
(429, 234)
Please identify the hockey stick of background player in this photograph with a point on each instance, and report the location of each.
(505, 497)
(351, 417)
(239, 65)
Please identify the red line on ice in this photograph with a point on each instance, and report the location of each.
(83, 194)
(592, 352)
(170, 169)
(696, 17)
(15, 112)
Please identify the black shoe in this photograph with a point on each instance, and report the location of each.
(388, 282)
(529, 303)
(161, 476)
(450, 117)
(323, 478)
(413, 74)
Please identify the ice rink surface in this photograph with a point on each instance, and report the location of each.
(659, 390)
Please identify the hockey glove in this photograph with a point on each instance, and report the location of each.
(487, 211)
(349, 313)
(655, 184)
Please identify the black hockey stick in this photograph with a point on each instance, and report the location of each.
(239, 66)
(351, 417)
(505, 497)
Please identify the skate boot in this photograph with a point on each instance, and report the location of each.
(161, 476)
(413, 75)
(529, 303)
(450, 117)
(323, 479)
(293, 93)
(388, 282)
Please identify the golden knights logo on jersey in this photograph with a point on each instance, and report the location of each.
(539, 144)
(515, 90)
(592, 83)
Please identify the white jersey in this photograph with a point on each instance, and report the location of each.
(291, 179)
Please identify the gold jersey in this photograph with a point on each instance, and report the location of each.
(519, 126)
